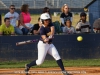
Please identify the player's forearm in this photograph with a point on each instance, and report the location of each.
(18, 23)
(62, 21)
(1, 33)
(52, 30)
(12, 33)
(45, 39)
(36, 32)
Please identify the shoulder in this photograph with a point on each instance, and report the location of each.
(62, 15)
(22, 13)
(28, 13)
(36, 25)
(2, 26)
(70, 14)
(87, 22)
(72, 27)
(16, 13)
(11, 27)
(65, 27)
(42, 29)
(7, 14)
(79, 23)
(51, 24)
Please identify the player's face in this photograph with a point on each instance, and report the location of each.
(12, 9)
(83, 18)
(66, 9)
(7, 23)
(46, 22)
(68, 23)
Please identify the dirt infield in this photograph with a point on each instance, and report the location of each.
(53, 71)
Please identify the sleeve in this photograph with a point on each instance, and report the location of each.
(71, 15)
(12, 29)
(1, 28)
(42, 31)
(71, 19)
(64, 29)
(6, 15)
(78, 28)
(62, 16)
(17, 16)
(51, 24)
(62, 20)
(35, 27)
(74, 30)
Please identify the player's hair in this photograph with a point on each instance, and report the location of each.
(38, 19)
(46, 9)
(6, 19)
(62, 9)
(24, 8)
(83, 14)
(11, 6)
(68, 20)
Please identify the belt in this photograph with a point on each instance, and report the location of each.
(45, 42)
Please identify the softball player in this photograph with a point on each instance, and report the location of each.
(45, 44)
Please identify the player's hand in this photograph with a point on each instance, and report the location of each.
(51, 37)
(46, 40)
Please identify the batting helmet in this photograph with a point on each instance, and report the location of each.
(45, 16)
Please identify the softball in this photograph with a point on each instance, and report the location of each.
(79, 38)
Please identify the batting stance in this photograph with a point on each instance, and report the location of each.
(45, 44)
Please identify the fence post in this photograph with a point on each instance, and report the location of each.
(34, 3)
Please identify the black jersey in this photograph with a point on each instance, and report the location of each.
(46, 31)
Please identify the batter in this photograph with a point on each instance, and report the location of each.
(45, 44)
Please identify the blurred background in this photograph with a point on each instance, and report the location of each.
(76, 7)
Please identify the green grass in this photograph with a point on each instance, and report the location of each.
(52, 63)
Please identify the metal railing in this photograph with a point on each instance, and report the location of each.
(43, 3)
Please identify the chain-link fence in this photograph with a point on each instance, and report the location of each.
(43, 3)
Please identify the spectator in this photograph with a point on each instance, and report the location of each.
(83, 26)
(68, 29)
(46, 10)
(65, 14)
(6, 29)
(96, 26)
(25, 19)
(14, 17)
(0, 19)
(36, 28)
